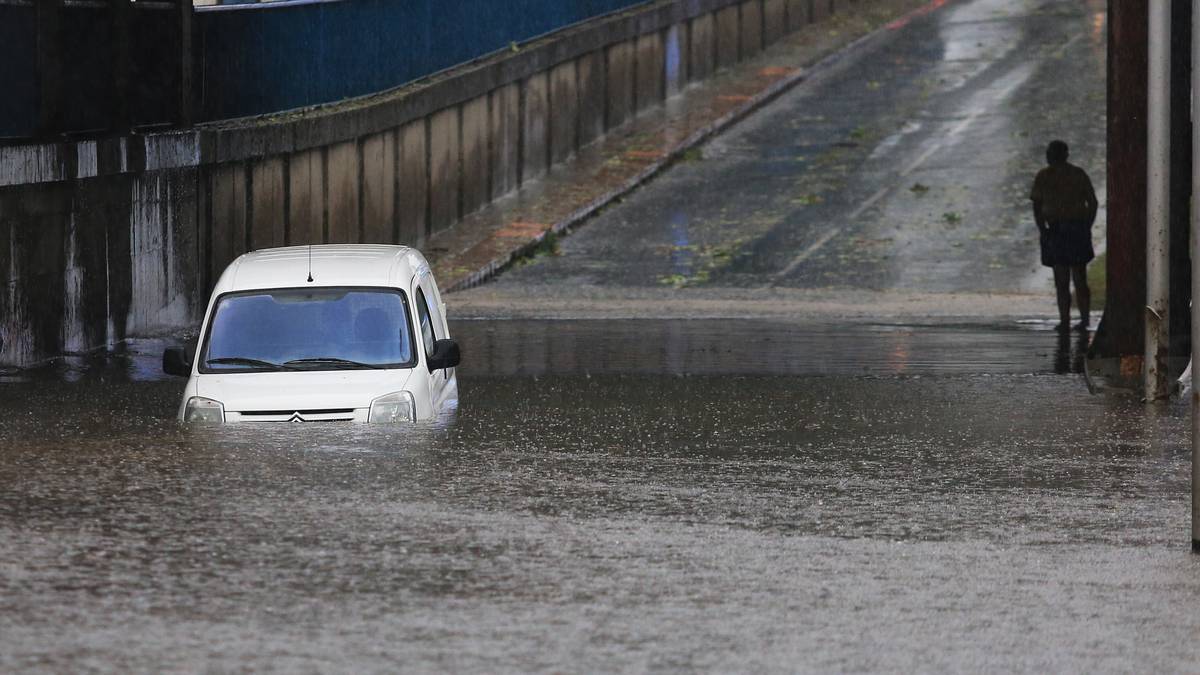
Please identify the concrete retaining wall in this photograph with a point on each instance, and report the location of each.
(103, 240)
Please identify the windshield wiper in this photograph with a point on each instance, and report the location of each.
(243, 361)
(331, 361)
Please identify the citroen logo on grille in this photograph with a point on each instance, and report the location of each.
(296, 417)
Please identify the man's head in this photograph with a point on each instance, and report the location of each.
(1057, 152)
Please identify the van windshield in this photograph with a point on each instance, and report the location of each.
(309, 329)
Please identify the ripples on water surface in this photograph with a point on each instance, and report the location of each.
(613, 496)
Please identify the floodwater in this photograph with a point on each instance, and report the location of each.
(722, 495)
(613, 496)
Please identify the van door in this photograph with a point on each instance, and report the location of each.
(431, 327)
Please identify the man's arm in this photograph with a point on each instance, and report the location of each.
(1036, 195)
(1090, 200)
(1037, 215)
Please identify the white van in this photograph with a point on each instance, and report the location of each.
(321, 333)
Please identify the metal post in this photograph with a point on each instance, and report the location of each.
(1158, 205)
(1195, 246)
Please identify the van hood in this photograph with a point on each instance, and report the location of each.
(301, 390)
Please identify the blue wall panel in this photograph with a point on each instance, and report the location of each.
(18, 71)
(263, 58)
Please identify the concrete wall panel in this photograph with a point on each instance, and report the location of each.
(343, 181)
(443, 169)
(379, 188)
(306, 198)
(751, 28)
(820, 10)
(591, 96)
(536, 127)
(675, 62)
(564, 115)
(650, 71)
(702, 47)
(413, 198)
(774, 20)
(619, 85)
(267, 203)
(162, 247)
(727, 29)
(505, 140)
(86, 319)
(228, 213)
(475, 160)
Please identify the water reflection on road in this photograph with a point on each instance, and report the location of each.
(612, 496)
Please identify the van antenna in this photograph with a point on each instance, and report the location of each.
(310, 263)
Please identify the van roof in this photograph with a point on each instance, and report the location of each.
(330, 265)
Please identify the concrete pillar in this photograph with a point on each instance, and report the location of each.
(774, 21)
(444, 179)
(751, 28)
(379, 188)
(228, 214)
(1120, 333)
(306, 198)
(535, 128)
(475, 154)
(505, 140)
(798, 14)
(702, 47)
(620, 84)
(591, 96)
(650, 69)
(342, 184)
(727, 29)
(564, 116)
(267, 203)
(413, 198)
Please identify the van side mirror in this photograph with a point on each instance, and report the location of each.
(177, 361)
(445, 355)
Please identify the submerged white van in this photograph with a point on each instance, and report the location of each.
(321, 333)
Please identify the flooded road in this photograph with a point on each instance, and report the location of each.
(628, 496)
(815, 420)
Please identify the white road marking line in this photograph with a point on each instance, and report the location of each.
(879, 194)
(808, 252)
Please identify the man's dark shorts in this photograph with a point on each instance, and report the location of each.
(1067, 244)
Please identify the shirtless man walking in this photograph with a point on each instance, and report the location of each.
(1064, 208)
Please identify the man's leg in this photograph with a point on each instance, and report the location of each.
(1083, 294)
(1062, 285)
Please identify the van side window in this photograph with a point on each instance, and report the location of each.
(426, 322)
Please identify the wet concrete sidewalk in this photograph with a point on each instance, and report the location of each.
(605, 171)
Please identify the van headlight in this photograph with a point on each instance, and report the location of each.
(395, 407)
(200, 409)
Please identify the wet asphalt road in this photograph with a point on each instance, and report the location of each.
(721, 494)
(905, 164)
